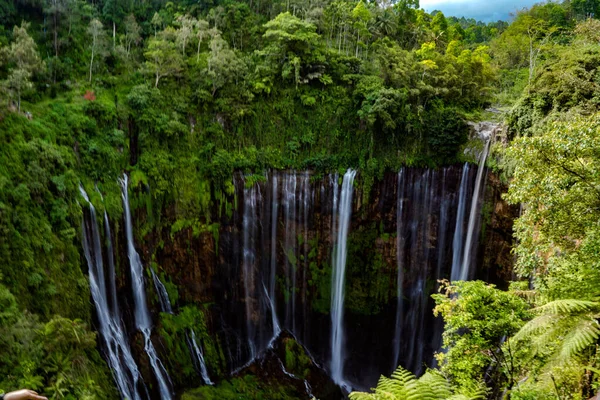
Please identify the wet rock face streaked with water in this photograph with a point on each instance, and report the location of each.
(271, 267)
(295, 234)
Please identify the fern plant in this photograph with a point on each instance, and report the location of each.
(403, 385)
(567, 327)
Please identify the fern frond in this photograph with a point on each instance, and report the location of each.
(567, 306)
(403, 385)
(403, 376)
(435, 384)
(400, 383)
(582, 336)
(546, 340)
(362, 396)
(476, 395)
(536, 325)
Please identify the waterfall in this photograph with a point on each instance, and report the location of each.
(457, 242)
(306, 203)
(117, 351)
(274, 320)
(400, 276)
(111, 268)
(141, 313)
(445, 199)
(443, 222)
(420, 224)
(250, 218)
(273, 264)
(282, 272)
(473, 216)
(199, 359)
(291, 261)
(344, 212)
(163, 296)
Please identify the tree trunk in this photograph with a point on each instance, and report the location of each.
(157, 79)
(55, 34)
(114, 34)
(91, 64)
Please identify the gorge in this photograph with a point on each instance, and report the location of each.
(306, 250)
(290, 199)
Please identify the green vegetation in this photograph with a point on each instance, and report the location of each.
(479, 323)
(539, 340)
(181, 94)
(59, 357)
(404, 385)
(297, 362)
(242, 388)
(175, 330)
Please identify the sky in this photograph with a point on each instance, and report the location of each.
(482, 10)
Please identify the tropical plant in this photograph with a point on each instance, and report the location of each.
(404, 385)
(567, 326)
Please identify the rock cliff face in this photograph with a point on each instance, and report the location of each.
(268, 267)
(495, 258)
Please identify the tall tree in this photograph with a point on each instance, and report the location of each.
(23, 56)
(95, 30)
(56, 9)
(293, 45)
(361, 17)
(162, 56)
(223, 63)
(157, 22)
(114, 11)
(202, 32)
(185, 31)
(132, 33)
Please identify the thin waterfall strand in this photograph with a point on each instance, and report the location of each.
(117, 351)
(339, 274)
(273, 270)
(473, 216)
(200, 360)
(163, 296)
(251, 199)
(457, 242)
(400, 266)
(142, 315)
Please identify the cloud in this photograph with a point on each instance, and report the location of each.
(486, 10)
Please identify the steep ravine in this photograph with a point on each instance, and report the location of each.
(207, 269)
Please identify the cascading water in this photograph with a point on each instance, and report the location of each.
(400, 266)
(118, 354)
(250, 218)
(344, 212)
(199, 359)
(430, 214)
(163, 296)
(303, 261)
(141, 313)
(457, 242)
(473, 216)
(419, 225)
(112, 285)
(438, 324)
(291, 261)
(269, 248)
(281, 232)
(273, 263)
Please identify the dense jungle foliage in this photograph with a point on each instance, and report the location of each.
(182, 93)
